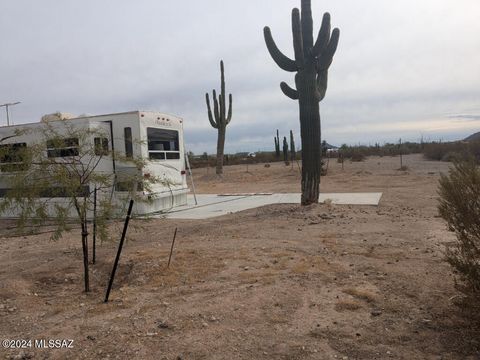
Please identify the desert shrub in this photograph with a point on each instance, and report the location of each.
(438, 150)
(460, 206)
(357, 156)
(452, 156)
(452, 151)
(386, 149)
(323, 168)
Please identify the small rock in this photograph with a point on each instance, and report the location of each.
(246, 268)
(162, 325)
(376, 312)
(204, 324)
(90, 337)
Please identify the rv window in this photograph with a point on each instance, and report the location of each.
(101, 146)
(62, 147)
(12, 157)
(163, 144)
(128, 142)
(175, 155)
(124, 186)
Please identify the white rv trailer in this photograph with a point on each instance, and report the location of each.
(156, 137)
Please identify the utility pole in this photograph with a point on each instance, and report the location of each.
(6, 109)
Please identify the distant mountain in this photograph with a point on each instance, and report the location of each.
(473, 137)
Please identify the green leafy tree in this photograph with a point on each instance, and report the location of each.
(55, 179)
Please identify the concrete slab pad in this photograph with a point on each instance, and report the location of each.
(212, 205)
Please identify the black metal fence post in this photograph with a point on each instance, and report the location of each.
(171, 249)
(120, 246)
(94, 224)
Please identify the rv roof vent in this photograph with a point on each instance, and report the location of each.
(57, 116)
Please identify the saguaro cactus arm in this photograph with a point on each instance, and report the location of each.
(325, 56)
(210, 116)
(322, 80)
(229, 116)
(284, 62)
(323, 35)
(297, 39)
(288, 91)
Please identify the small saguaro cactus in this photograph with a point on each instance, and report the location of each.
(277, 145)
(311, 64)
(285, 150)
(220, 118)
(293, 154)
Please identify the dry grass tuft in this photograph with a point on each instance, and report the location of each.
(347, 305)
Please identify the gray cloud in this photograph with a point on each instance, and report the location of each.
(465, 117)
(396, 74)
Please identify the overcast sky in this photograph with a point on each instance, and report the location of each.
(403, 69)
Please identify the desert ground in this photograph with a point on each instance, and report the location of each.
(277, 282)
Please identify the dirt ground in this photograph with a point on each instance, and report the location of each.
(277, 282)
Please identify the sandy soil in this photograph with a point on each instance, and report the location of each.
(277, 282)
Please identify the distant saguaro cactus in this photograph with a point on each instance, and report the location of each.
(277, 145)
(285, 150)
(220, 118)
(293, 154)
(311, 66)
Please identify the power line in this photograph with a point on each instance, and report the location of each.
(6, 109)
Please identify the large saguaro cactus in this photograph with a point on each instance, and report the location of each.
(311, 64)
(220, 118)
(293, 154)
(277, 146)
(285, 150)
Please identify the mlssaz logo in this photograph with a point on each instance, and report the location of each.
(54, 344)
